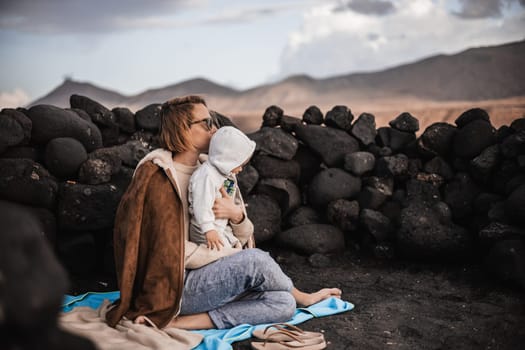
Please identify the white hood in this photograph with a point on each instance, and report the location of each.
(229, 148)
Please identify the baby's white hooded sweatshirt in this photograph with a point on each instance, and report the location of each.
(229, 148)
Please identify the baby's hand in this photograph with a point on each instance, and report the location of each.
(213, 240)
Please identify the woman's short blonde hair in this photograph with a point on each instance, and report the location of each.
(175, 122)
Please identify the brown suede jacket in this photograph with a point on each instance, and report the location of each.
(150, 244)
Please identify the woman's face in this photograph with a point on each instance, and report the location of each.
(200, 132)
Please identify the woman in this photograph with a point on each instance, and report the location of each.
(171, 282)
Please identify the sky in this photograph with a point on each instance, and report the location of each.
(130, 46)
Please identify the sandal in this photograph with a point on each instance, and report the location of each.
(271, 343)
(285, 332)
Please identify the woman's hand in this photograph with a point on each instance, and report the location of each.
(225, 208)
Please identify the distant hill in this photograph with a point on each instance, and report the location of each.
(60, 95)
(477, 74)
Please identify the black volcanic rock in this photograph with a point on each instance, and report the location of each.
(50, 122)
(437, 139)
(484, 202)
(472, 115)
(26, 257)
(331, 144)
(423, 235)
(483, 166)
(359, 163)
(289, 123)
(63, 157)
(398, 140)
(518, 124)
(95, 171)
(271, 167)
(265, 214)
(343, 213)
(364, 128)
(98, 113)
(313, 238)
(376, 224)
(313, 115)
(309, 162)
(303, 216)
(148, 118)
(497, 231)
(87, 207)
(513, 145)
(371, 198)
(396, 165)
(222, 120)
(272, 116)
(384, 184)
(405, 122)
(27, 182)
(15, 129)
(247, 179)
(23, 152)
(81, 113)
(473, 138)
(125, 119)
(22, 119)
(515, 205)
(332, 184)
(130, 152)
(506, 171)
(438, 165)
(459, 194)
(103, 163)
(283, 191)
(275, 142)
(339, 117)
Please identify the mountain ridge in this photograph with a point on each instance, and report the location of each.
(474, 74)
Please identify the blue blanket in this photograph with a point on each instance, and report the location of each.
(220, 339)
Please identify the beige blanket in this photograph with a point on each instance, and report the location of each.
(91, 323)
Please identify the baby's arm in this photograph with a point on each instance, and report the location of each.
(203, 197)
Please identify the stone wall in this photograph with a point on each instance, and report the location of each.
(316, 184)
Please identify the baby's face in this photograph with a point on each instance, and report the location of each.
(237, 170)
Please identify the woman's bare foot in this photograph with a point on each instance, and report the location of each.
(194, 321)
(139, 320)
(307, 299)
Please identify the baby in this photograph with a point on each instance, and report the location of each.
(230, 150)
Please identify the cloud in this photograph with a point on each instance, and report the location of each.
(479, 8)
(80, 16)
(333, 43)
(474, 9)
(14, 99)
(367, 7)
(65, 16)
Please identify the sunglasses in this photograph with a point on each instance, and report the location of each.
(208, 123)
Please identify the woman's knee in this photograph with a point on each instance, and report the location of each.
(258, 258)
(285, 306)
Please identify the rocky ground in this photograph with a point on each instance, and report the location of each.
(408, 305)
